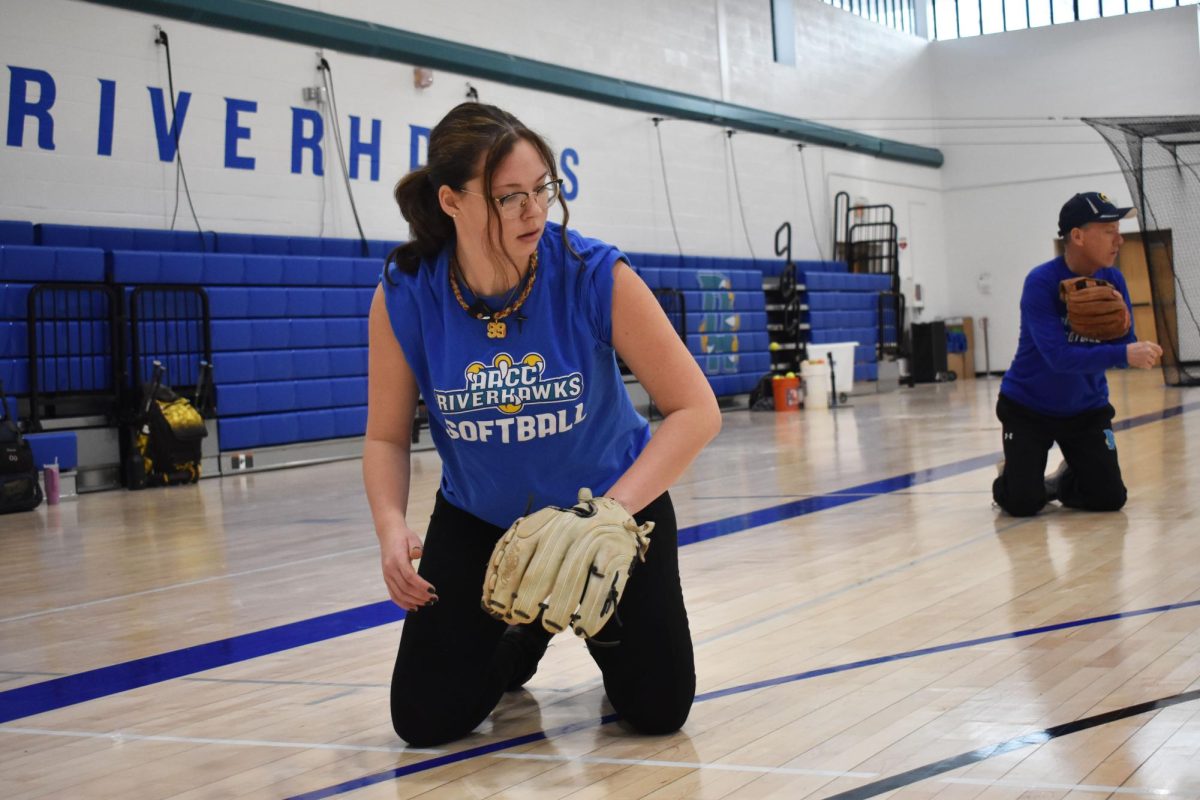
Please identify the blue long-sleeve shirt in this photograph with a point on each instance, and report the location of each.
(1057, 372)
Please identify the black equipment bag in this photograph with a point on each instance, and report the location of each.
(762, 396)
(19, 488)
(170, 433)
(172, 454)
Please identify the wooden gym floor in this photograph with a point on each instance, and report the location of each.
(866, 624)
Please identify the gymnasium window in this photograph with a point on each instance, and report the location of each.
(898, 14)
(955, 19)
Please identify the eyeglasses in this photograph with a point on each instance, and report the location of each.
(513, 204)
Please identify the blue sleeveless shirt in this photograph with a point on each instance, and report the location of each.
(525, 421)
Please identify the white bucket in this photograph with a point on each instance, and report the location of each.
(816, 383)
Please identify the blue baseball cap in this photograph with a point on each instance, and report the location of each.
(1088, 207)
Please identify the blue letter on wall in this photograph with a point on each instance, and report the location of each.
(168, 138)
(20, 106)
(419, 134)
(108, 97)
(311, 142)
(359, 148)
(235, 133)
(571, 186)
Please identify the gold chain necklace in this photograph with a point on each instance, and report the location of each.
(495, 328)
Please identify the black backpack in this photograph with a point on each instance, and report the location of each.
(762, 396)
(171, 451)
(19, 489)
(168, 433)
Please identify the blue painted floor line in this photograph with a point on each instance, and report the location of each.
(68, 690)
(942, 648)
(505, 744)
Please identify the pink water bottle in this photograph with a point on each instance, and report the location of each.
(50, 478)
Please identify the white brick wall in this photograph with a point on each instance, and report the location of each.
(989, 209)
(672, 44)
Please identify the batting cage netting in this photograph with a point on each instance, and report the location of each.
(1160, 157)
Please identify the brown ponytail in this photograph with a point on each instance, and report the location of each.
(429, 227)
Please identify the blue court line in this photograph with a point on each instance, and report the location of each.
(1154, 416)
(809, 505)
(841, 497)
(68, 690)
(941, 648)
(452, 758)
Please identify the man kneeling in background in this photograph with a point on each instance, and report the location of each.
(1055, 390)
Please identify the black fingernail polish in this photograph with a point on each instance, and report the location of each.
(432, 590)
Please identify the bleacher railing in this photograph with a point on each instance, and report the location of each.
(74, 348)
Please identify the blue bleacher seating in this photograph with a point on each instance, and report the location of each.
(267, 244)
(16, 232)
(723, 301)
(231, 269)
(289, 327)
(163, 241)
(725, 312)
(32, 264)
(14, 372)
(844, 306)
(49, 447)
(106, 238)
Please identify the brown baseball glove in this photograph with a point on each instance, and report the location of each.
(569, 564)
(1095, 309)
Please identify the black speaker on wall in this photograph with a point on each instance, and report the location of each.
(928, 352)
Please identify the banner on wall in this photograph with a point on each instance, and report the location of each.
(31, 112)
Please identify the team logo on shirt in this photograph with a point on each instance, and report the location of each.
(509, 385)
(1076, 338)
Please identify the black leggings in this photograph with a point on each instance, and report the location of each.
(453, 666)
(1092, 480)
